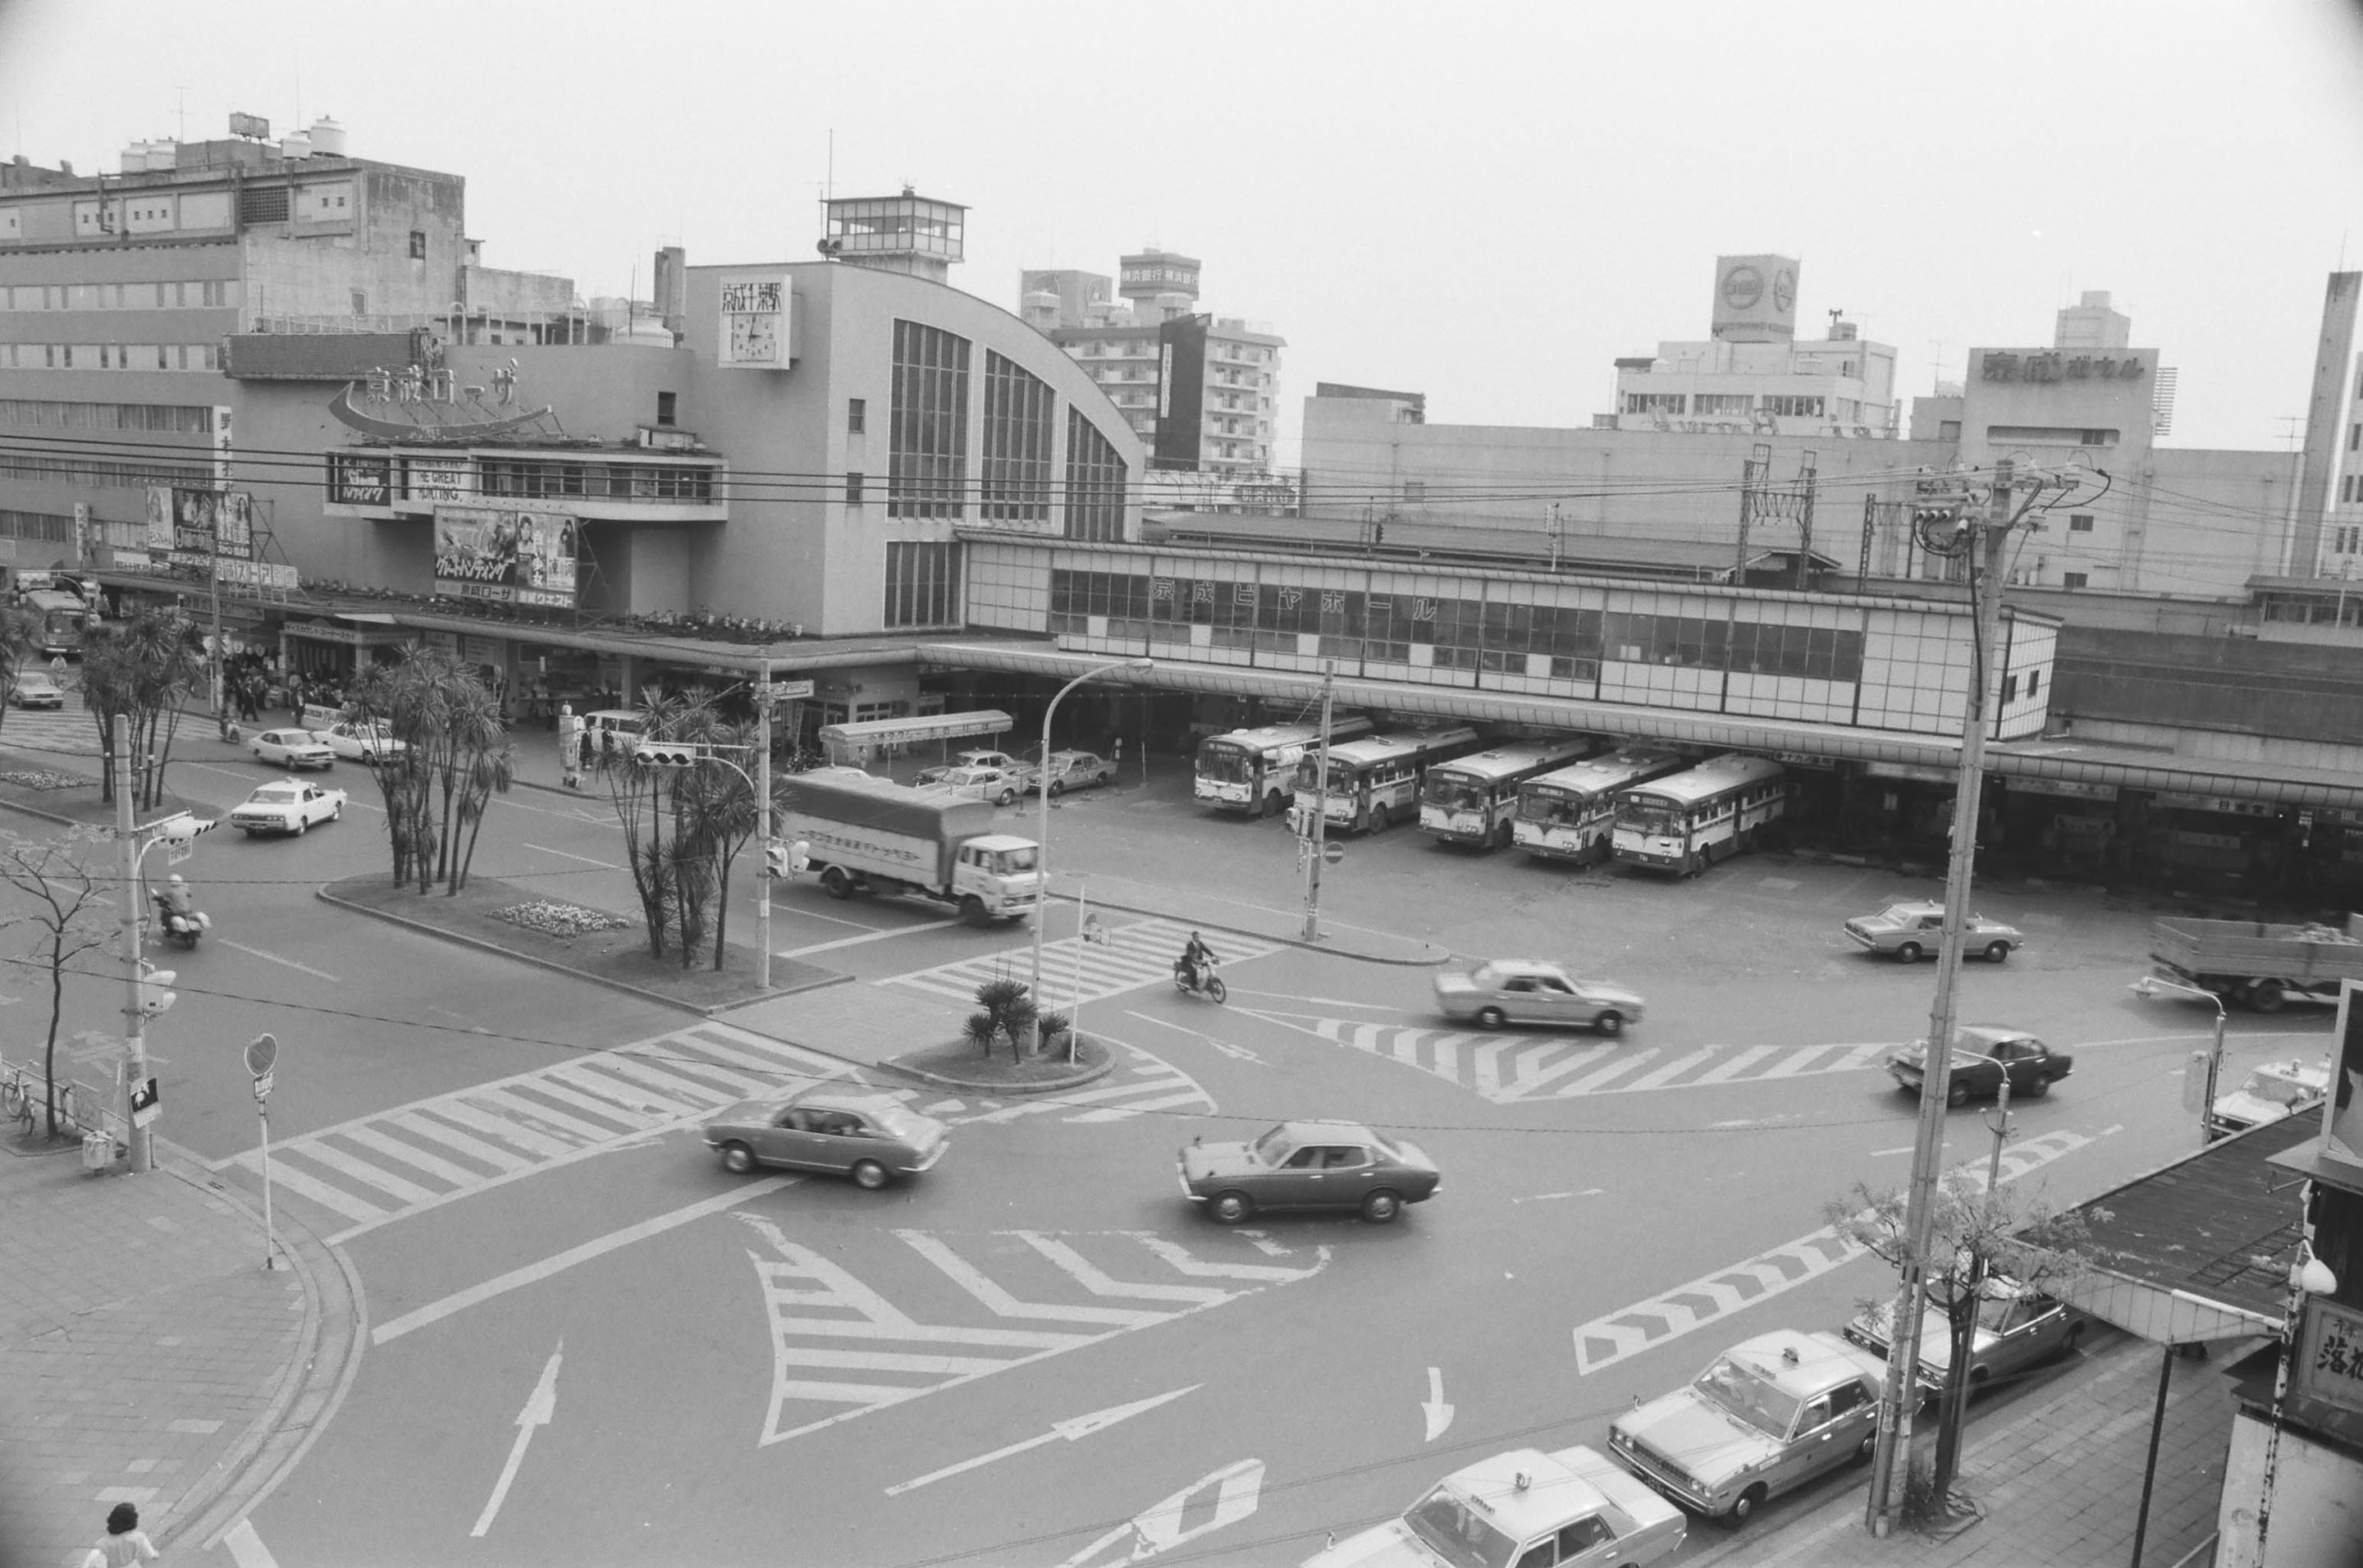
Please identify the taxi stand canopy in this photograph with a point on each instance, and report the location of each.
(871, 736)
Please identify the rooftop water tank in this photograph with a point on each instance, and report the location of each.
(295, 147)
(134, 157)
(327, 137)
(164, 154)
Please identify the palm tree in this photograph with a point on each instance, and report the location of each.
(20, 638)
(140, 670)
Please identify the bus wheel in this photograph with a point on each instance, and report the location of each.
(1272, 803)
(1378, 819)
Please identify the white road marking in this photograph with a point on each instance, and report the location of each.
(1236, 1052)
(869, 934)
(1072, 1428)
(533, 1273)
(274, 958)
(1438, 1413)
(568, 854)
(1884, 1153)
(1158, 1528)
(246, 1548)
(540, 1407)
(1545, 1198)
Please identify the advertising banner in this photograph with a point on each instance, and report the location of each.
(355, 481)
(2342, 1112)
(1181, 390)
(516, 557)
(160, 516)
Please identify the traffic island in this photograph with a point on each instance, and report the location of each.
(596, 945)
(958, 1064)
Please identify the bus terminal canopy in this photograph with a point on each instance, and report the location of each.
(924, 727)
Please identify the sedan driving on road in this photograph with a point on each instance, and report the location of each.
(289, 807)
(1912, 931)
(1570, 1506)
(361, 743)
(871, 1137)
(1981, 1053)
(1532, 991)
(291, 748)
(1769, 1415)
(1308, 1165)
(37, 688)
(2017, 1329)
(1066, 770)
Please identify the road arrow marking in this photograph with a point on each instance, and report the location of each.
(540, 1407)
(1236, 1486)
(1073, 1429)
(1236, 1052)
(1439, 1414)
(1544, 1197)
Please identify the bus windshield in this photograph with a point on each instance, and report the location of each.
(1454, 792)
(1550, 805)
(1646, 816)
(1342, 777)
(1223, 762)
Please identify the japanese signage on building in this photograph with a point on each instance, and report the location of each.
(2041, 365)
(2330, 1359)
(518, 557)
(755, 324)
(222, 446)
(438, 480)
(357, 481)
(1755, 299)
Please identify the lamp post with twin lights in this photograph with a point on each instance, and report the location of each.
(1042, 787)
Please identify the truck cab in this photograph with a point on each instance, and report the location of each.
(1002, 872)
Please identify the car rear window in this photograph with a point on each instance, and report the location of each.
(896, 1122)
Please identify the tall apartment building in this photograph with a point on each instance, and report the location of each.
(1199, 390)
(117, 291)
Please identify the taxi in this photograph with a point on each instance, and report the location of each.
(1569, 1506)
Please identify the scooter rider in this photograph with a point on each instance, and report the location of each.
(1195, 956)
(176, 898)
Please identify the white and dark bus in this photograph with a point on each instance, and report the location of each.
(1254, 770)
(1375, 781)
(1686, 822)
(1474, 799)
(1569, 815)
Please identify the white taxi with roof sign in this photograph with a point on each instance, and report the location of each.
(1571, 1506)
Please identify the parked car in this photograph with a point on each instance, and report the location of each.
(37, 688)
(1766, 1416)
(1066, 770)
(1570, 1506)
(2269, 1093)
(1912, 931)
(1534, 991)
(871, 1137)
(996, 785)
(2017, 1329)
(2033, 1066)
(291, 748)
(361, 743)
(289, 807)
(1308, 1165)
(978, 759)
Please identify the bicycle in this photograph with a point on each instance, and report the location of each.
(16, 1100)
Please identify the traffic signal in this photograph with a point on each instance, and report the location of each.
(665, 754)
(156, 994)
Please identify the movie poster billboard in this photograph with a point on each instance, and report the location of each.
(513, 556)
(160, 516)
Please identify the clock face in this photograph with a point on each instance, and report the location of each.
(1784, 290)
(754, 337)
(1742, 287)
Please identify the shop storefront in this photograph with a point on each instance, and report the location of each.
(336, 649)
(2065, 822)
(2249, 839)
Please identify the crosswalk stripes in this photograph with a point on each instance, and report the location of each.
(841, 1349)
(1136, 955)
(397, 1162)
(1148, 1084)
(65, 732)
(1607, 1340)
(1510, 1067)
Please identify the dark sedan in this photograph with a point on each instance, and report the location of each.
(1981, 1054)
(1308, 1165)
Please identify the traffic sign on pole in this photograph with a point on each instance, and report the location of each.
(263, 1055)
(145, 1099)
(1333, 851)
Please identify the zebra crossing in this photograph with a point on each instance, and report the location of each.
(395, 1163)
(1508, 1067)
(1144, 1084)
(985, 1304)
(1136, 955)
(62, 731)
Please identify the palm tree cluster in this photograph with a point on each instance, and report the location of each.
(683, 827)
(454, 757)
(139, 670)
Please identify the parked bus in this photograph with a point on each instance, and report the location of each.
(1685, 821)
(1375, 781)
(1569, 815)
(1254, 770)
(65, 620)
(1474, 799)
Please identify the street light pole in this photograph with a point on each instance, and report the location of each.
(763, 818)
(1312, 844)
(2151, 985)
(1042, 847)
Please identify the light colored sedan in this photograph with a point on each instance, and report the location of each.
(871, 1137)
(1534, 991)
(291, 748)
(360, 742)
(289, 807)
(1069, 770)
(996, 784)
(2018, 1330)
(1913, 929)
(37, 688)
(1571, 1508)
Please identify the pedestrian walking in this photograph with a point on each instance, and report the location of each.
(295, 696)
(125, 1544)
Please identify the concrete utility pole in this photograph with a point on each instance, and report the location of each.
(763, 818)
(1992, 535)
(135, 1014)
(1317, 838)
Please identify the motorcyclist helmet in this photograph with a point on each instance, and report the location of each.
(177, 881)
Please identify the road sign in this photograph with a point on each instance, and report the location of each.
(263, 1085)
(784, 691)
(1333, 851)
(145, 1100)
(263, 1055)
(178, 850)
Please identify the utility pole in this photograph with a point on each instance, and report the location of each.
(1318, 836)
(763, 818)
(1904, 1339)
(135, 1013)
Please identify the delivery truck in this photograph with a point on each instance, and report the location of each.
(873, 836)
(2256, 963)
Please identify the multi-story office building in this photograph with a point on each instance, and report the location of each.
(1200, 391)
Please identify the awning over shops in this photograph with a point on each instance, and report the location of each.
(927, 726)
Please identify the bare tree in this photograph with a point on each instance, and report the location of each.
(72, 912)
(1976, 1237)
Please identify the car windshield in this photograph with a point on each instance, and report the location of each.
(1749, 1395)
(276, 795)
(1009, 862)
(968, 775)
(1274, 1146)
(2266, 1085)
(1222, 762)
(1458, 1532)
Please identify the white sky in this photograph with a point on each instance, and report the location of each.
(1486, 203)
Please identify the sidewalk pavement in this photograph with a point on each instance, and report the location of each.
(2056, 1480)
(147, 1356)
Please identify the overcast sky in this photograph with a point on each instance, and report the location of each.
(1484, 203)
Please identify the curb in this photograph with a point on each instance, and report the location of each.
(1005, 1091)
(625, 986)
(309, 1389)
